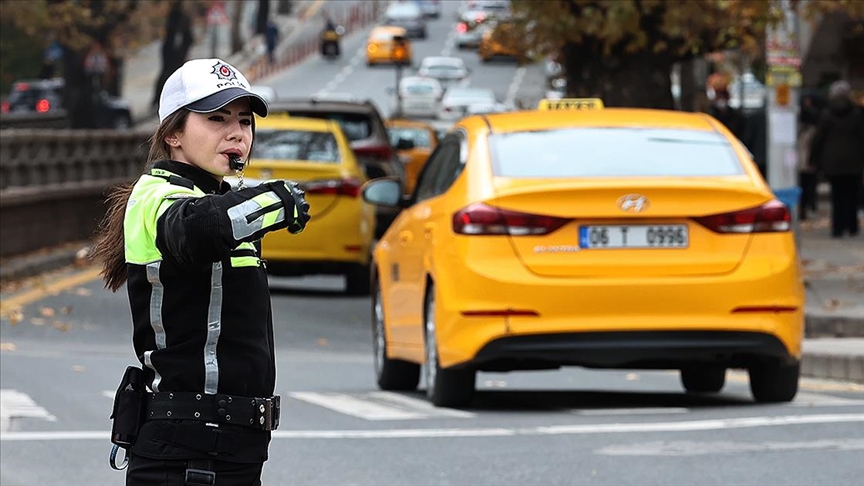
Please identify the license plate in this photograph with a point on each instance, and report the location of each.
(634, 236)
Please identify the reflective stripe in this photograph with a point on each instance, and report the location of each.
(156, 295)
(241, 228)
(245, 261)
(214, 328)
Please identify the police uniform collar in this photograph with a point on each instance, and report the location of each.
(202, 179)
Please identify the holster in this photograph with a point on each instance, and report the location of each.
(128, 408)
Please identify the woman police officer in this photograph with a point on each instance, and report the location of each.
(187, 246)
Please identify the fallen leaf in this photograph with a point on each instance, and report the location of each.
(15, 317)
(79, 369)
(37, 321)
(66, 310)
(46, 312)
(8, 347)
(322, 342)
(60, 326)
(632, 377)
(83, 292)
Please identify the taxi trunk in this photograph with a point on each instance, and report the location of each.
(633, 228)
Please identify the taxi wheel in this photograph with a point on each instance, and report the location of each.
(774, 381)
(444, 387)
(391, 374)
(357, 280)
(707, 379)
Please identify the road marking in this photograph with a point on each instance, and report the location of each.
(14, 404)
(514, 86)
(613, 428)
(813, 384)
(378, 406)
(313, 9)
(694, 448)
(804, 399)
(15, 302)
(632, 411)
(449, 43)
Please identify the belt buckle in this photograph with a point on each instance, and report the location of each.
(268, 408)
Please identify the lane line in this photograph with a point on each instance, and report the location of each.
(612, 428)
(514, 86)
(14, 404)
(357, 407)
(698, 448)
(633, 411)
(15, 302)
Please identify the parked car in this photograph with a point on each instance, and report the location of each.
(408, 16)
(455, 103)
(380, 45)
(316, 154)
(46, 96)
(364, 127)
(430, 8)
(419, 95)
(423, 139)
(542, 239)
(449, 71)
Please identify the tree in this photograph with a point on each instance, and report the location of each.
(623, 50)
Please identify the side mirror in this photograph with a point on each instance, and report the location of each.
(405, 144)
(340, 30)
(383, 192)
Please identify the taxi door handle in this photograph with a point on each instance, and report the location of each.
(427, 229)
(406, 237)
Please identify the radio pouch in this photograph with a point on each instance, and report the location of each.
(128, 402)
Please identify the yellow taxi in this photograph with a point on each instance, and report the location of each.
(414, 141)
(383, 48)
(582, 236)
(316, 154)
(499, 41)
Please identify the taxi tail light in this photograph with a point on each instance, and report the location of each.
(771, 217)
(5, 107)
(334, 187)
(480, 219)
(379, 152)
(461, 27)
(43, 105)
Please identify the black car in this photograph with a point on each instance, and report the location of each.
(364, 127)
(46, 96)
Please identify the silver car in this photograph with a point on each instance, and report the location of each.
(457, 102)
(449, 71)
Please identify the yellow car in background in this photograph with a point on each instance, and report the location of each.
(603, 238)
(316, 154)
(381, 46)
(417, 140)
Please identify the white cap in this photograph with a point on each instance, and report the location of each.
(204, 86)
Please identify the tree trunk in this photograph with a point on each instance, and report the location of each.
(635, 81)
(236, 21)
(78, 90)
(263, 17)
(175, 47)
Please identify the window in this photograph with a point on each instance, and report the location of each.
(356, 126)
(419, 136)
(296, 145)
(613, 152)
(444, 166)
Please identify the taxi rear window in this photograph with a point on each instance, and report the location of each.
(296, 145)
(613, 152)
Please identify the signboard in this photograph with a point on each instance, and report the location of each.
(571, 104)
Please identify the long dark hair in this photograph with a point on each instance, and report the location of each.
(110, 247)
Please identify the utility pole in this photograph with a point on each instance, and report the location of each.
(783, 80)
(399, 55)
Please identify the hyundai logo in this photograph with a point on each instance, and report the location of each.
(633, 202)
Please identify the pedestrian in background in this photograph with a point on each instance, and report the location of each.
(187, 247)
(808, 118)
(837, 152)
(728, 116)
(271, 37)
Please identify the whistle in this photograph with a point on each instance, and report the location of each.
(235, 162)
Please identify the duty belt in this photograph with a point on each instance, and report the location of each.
(257, 413)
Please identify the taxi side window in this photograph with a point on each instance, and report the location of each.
(444, 165)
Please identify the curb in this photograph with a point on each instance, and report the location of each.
(33, 264)
(833, 367)
(818, 326)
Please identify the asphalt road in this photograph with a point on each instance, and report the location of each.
(62, 356)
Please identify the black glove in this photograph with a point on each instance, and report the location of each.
(301, 213)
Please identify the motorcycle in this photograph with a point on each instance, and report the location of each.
(330, 48)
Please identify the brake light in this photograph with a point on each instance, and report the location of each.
(480, 219)
(22, 86)
(500, 313)
(461, 27)
(43, 105)
(4, 108)
(770, 217)
(380, 152)
(334, 187)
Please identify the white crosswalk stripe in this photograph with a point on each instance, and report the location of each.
(378, 405)
(15, 404)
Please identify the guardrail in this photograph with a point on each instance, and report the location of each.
(53, 183)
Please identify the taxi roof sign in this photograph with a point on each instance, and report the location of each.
(571, 104)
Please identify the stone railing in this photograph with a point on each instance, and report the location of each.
(53, 183)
